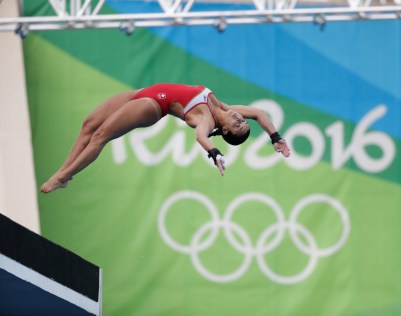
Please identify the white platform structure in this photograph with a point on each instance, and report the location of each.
(78, 14)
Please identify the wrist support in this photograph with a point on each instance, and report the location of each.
(275, 137)
(215, 154)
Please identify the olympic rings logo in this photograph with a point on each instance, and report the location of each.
(270, 238)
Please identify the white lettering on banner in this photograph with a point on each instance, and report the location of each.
(239, 239)
(360, 139)
(340, 152)
(174, 147)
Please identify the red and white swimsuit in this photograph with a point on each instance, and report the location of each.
(166, 93)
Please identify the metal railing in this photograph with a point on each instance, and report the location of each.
(80, 14)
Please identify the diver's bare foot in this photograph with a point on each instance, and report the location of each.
(53, 184)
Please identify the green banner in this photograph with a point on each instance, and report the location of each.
(315, 234)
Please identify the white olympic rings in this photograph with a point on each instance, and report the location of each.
(264, 245)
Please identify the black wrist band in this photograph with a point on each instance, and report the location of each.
(275, 137)
(212, 153)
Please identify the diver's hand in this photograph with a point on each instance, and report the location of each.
(281, 147)
(218, 159)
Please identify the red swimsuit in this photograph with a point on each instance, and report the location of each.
(166, 93)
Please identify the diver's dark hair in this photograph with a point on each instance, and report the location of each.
(231, 138)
